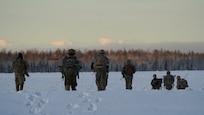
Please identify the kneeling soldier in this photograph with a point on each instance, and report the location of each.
(156, 83)
(181, 83)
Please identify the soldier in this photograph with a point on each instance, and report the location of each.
(127, 71)
(156, 83)
(70, 69)
(100, 65)
(181, 83)
(20, 69)
(168, 81)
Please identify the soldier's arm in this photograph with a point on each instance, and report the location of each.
(107, 64)
(26, 68)
(152, 82)
(123, 71)
(92, 64)
(133, 67)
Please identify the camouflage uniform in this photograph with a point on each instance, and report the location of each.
(181, 83)
(127, 71)
(156, 83)
(168, 81)
(70, 70)
(20, 70)
(100, 65)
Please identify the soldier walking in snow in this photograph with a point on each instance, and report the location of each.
(127, 71)
(20, 69)
(100, 65)
(168, 81)
(70, 70)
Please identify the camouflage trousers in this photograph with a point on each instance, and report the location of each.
(19, 81)
(70, 83)
(128, 81)
(101, 79)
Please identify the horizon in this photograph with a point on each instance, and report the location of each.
(111, 25)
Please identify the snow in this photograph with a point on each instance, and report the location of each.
(44, 94)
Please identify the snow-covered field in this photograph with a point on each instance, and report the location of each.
(44, 94)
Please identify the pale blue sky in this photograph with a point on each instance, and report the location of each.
(112, 24)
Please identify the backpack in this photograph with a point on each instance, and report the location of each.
(183, 83)
(168, 80)
(129, 69)
(100, 62)
(71, 62)
(18, 66)
(69, 67)
(156, 83)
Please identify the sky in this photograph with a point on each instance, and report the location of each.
(104, 24)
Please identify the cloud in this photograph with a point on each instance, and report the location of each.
(3, 43)
(105, 41)
(61, 43)
(120, 41)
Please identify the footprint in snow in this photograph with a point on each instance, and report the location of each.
(36, 102)
(83, 95)
(98, 100)
(72, 106)
(92, 107)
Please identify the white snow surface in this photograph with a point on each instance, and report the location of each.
(44, 94)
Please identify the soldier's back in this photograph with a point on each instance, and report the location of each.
(129, 69)
(18, 66)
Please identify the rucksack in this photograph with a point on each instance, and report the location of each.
(156, 83)
(18, 66)
(71, 62)
(168, 81)
(183, 83)
(100, 62)
(69, 67)
(129, 69)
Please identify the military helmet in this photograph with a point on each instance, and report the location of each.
(102, 52)
(128, 61)
(154, 75)
(71, 52)
(20, 55)
(168, 72)
(178, 77)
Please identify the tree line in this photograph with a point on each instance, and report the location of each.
(156, 60)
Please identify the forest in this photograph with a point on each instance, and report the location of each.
(156, 60)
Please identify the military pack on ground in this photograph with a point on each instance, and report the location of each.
(181, 83)
(156, 82)
(168, 81)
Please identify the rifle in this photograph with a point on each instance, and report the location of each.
(60, 69)
(122, 77)
(53, 58)
(78, 74)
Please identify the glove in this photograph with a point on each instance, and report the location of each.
(27, 74)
